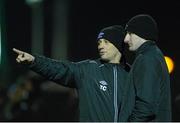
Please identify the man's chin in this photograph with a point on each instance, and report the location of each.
(131, 49)
(103, 58)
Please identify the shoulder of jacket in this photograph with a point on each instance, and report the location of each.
(88, 61)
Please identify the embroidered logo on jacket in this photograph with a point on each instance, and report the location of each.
(103, 85)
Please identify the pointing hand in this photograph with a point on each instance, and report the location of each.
(23, 57)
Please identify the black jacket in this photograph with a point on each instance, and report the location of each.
(151, 82)
(99, 85)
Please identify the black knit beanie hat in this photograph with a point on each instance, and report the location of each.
(114, 34)
(144, 26)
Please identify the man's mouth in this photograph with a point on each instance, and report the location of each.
(101, 53)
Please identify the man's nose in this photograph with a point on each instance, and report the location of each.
(101, 45)
(126, 40)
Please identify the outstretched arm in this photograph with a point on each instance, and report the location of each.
(61, 72)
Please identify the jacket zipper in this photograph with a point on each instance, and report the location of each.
(115, 94)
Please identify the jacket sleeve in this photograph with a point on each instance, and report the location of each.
(145, 76)
(61, 72)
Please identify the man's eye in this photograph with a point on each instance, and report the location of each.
(106, 41)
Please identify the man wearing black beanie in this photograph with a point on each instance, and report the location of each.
(148, 75)
(115, 35)
(99, 83)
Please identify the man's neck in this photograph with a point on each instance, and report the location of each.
(116, 59)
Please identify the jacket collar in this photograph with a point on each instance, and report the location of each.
(101, 62)
(144, 47)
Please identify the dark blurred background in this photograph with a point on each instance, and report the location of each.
(67, 29)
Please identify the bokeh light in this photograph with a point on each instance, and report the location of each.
(170, 63)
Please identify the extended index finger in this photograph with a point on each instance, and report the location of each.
(18, 51)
